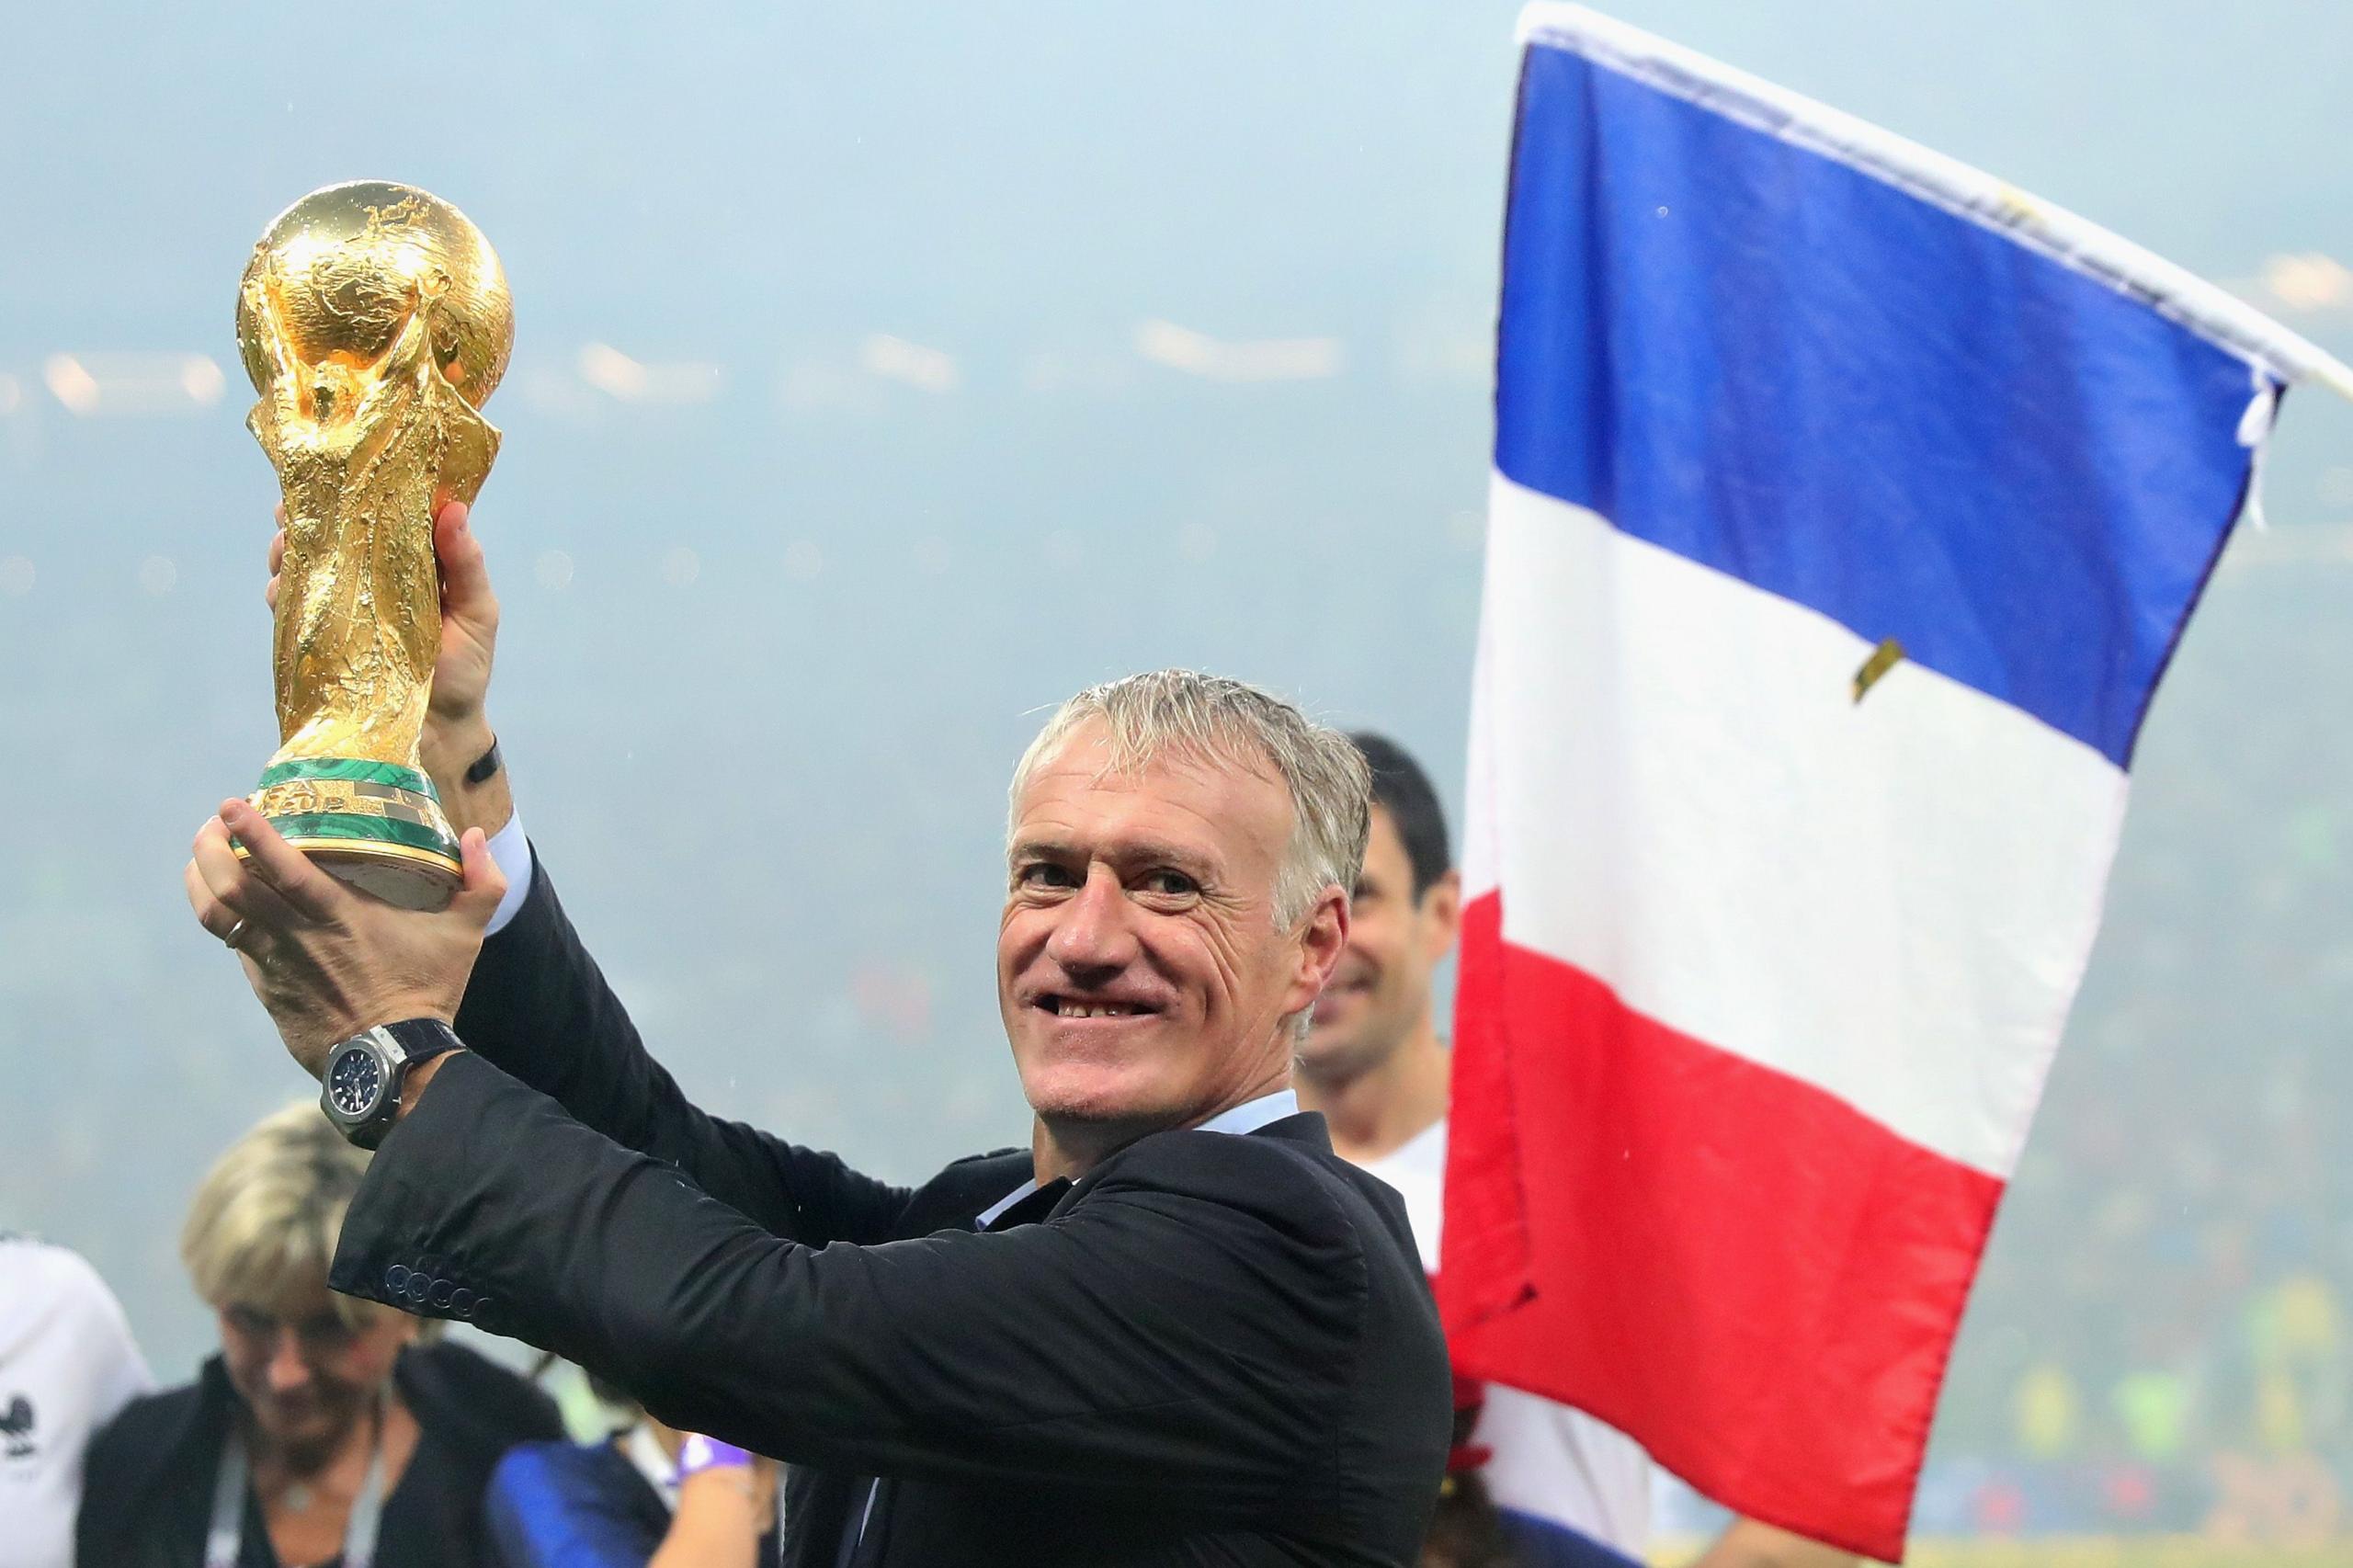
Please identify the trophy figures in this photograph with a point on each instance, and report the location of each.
(374, 321)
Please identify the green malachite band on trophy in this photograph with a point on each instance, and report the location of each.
(326, 827)
(377, 826)
(347, 770)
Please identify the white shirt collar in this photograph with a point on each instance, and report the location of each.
(1251, 1115)
(1247, 1117)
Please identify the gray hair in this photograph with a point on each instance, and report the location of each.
(1184, 713)
(262, 1226)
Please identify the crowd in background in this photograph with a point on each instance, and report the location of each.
(322, 1429)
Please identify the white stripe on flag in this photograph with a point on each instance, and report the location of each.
(1890, 900)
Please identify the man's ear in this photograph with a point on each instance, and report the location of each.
(1442, 916)
(1320, 941)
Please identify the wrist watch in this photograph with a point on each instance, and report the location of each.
(360, 1090)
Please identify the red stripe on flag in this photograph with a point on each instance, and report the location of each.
(1751, 1278)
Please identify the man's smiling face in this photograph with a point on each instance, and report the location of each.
(1142, 975)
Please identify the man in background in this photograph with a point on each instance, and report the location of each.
(645, 1496)
(1569, 1489)
(67, 1364)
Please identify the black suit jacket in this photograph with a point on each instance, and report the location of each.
(1210, 1349)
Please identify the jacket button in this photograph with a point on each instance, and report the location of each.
(418, 1287)
(395, 1278)
(461, 1301)
(483, 1315)
(440, 1294)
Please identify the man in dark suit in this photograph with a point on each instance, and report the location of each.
(1176, 1330)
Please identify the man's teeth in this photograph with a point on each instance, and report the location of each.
(1066, 1008)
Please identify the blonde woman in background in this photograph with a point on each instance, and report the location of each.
(325, 1432)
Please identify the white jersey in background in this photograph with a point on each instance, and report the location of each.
(1552, 1465)
(67, 1364)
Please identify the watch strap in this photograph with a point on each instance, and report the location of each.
(418, 1040)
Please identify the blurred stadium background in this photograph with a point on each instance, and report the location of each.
(881, 377)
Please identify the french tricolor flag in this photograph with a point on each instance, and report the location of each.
(1847, 505)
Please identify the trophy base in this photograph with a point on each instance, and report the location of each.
(374, 825)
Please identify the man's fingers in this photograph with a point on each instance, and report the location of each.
(485, 883)
(278, 544)
(217, 918)
(220, 924)
(282, 867)
(230, 883)
(465, 576)
(279, 513)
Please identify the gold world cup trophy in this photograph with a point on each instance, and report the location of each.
(374, 321)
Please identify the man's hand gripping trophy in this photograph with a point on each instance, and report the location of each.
(372, 320)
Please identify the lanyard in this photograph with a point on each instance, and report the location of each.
(225, 1541)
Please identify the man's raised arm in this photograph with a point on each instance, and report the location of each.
(536, 1003)
(538, 1008)
(1190, 1320)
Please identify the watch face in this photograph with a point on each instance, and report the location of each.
(355, 1081)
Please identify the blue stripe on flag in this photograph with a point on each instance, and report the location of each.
(1771, 362)
(1539, 1542)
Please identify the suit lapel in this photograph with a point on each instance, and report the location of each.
(834, 1504)
(1307, 1129)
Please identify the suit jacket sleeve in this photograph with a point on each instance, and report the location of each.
(538, 1006)
(1192, 1318)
